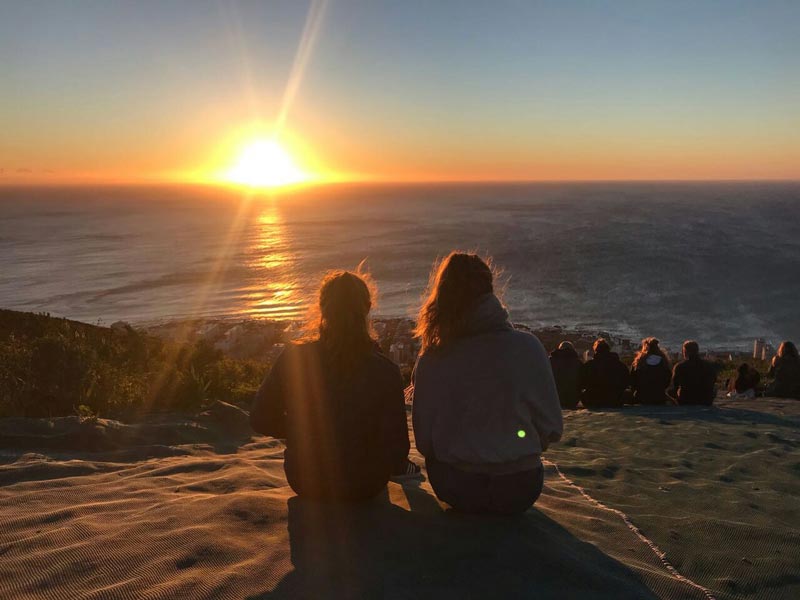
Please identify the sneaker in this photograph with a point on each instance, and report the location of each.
(407, 470)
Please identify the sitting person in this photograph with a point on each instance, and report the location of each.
(650, 374)
(603, 378)
(485, 402)
(746, 382)
(566, 368)
(785, 369)
(337, 401)
(694, 379)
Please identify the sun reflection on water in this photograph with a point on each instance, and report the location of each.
(274, 291)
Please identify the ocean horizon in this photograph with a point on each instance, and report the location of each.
(713, 261)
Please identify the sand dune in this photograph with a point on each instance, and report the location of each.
(197, 508)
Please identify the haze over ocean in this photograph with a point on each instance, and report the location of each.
(718, 262)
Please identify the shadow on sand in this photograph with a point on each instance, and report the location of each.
(381, 550)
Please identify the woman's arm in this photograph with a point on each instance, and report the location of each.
(546, 409)
(395, 425)
(422, 407)
(268, 414)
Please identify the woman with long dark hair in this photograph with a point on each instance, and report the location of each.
(336, 400)
(651, 374)
(785, 370)
(485, 402)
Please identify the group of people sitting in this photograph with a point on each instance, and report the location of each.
(485, 401)
(605, 382)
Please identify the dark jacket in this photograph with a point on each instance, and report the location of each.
(566, 369)
(603, 381)
(486, 402)
(343, 438)
(746, 381)
(650, 380)
(693, 381)
(786, 371)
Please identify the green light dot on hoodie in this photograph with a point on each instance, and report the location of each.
(521, 433)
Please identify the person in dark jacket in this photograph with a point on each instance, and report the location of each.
(603, 379)
(785, 369)
(650, 374)
(485, 402)
(566, 367)
(337, 401)
(694, 379)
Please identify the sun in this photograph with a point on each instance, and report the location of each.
(264, 163)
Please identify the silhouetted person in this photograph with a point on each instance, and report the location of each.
(566, 367)
(785, 369)
(693, 379)
(337, 401)
(485, 403)
(746, 382)
(604, 378)
(650, 374)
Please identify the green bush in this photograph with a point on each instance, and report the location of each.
(56, 367)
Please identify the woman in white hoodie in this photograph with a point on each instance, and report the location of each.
(485, 402)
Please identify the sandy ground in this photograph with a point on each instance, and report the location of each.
(197, 508)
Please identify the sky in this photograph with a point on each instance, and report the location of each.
(413, 90)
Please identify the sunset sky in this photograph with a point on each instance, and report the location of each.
(112, 91)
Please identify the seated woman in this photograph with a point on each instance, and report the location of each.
(604, 378)
(485, 403)
(566, 367)
(745, 383)
(336, 401)
(651, 374)
(785, 370)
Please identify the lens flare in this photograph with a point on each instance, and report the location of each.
(265, 163)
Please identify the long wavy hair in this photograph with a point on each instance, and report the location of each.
(341, 321)
(650, 347)
(787, 350)
(455, 284)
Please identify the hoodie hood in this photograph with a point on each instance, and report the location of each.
(653, 360)
(487, 315)
(564, 353)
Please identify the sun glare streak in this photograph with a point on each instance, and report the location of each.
(235, 33)
(227, 251)
(316, 14)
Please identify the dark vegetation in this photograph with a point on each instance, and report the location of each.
(56, 367)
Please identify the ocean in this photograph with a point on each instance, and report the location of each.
(717, 262)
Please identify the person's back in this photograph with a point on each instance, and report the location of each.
(474, 401)
(693, 379)
(650, 374)
(746, 381)
(485, 402)
(340, 408)
(603, 378)
(566, 367)
(785, 369)
(343, 437)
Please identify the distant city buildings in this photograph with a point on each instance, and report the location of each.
(762, 350)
